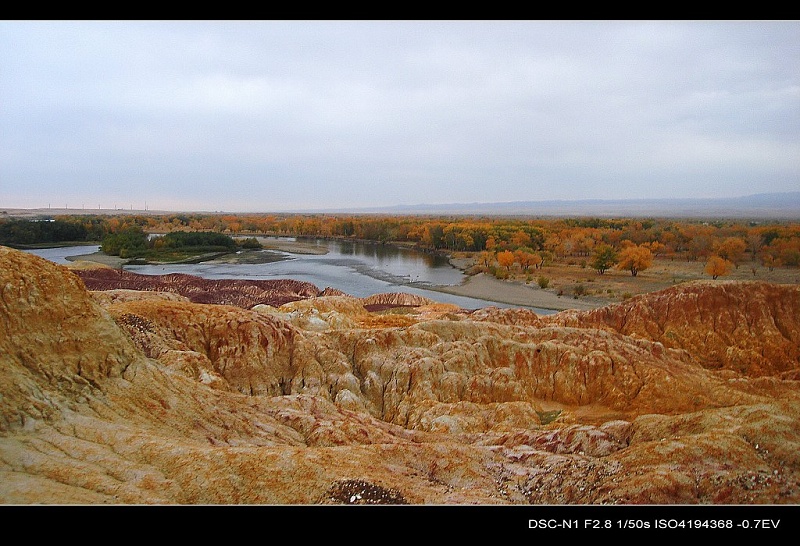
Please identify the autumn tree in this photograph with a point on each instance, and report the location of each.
(635, 258)
(754, 244)
(717, 266)
(697, 239)
(434, 236)
(485, 258)
(604, 258)
(785, 250)
(770, 261)
(506, 259)
(526, 258)
(731, 249)
(655, 247)
(520, 239)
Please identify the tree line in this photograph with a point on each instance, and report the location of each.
(527, 243)
(16, 232)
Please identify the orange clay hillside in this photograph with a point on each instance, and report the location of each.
(684, 396)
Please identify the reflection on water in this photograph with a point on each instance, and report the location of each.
(393, 263)
(359, 269)
(356, 268)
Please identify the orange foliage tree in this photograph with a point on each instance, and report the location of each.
(731, 249)
(526, 258)
(635, 258)
(506, 259)
(717, 266)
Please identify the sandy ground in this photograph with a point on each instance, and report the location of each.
(96, 259)
(295, 247)
(486, 287)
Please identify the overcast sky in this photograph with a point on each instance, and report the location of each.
(255, 116)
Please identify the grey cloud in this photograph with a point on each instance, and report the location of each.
(351, 113)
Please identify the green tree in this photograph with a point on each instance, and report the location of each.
(127, 243)
(183, 239)
(22, 232)
(605, 257)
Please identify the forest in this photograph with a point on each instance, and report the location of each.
(498, 245)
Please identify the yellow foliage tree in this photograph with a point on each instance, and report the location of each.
(520, 238)
(505, 259)
(635, 258)
(485, 258)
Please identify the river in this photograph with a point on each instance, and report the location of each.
(360, 269)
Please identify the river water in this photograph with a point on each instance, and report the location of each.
(356, 268)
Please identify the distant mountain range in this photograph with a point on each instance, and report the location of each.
(763, 205)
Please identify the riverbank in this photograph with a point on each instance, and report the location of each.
(571, 284)
(233, 257)
(102, 259)
(96, 259)
(292, 247)
(480, 286)
(489, 288)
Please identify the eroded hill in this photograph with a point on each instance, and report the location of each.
(122, 396)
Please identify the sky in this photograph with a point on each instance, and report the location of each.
(257, 116)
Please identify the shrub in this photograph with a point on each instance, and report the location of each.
(251, 243)
(547, 417)
(543, 282)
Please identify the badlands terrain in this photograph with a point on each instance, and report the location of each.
(117, 389)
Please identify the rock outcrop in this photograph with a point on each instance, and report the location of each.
(125, 397)
(749, 327)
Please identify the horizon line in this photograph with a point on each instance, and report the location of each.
(792, 204)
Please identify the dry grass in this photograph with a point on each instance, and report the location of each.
(615, 285)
